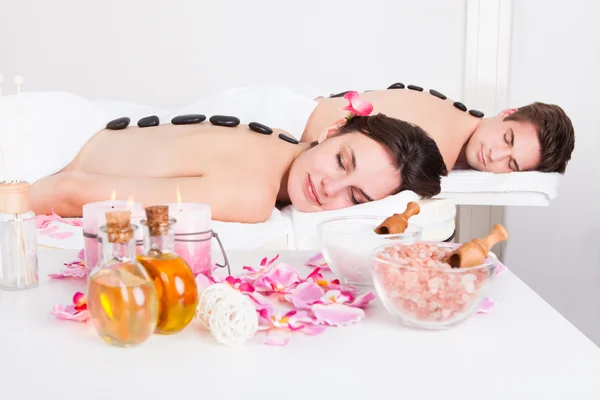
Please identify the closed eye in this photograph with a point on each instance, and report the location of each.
(339, 161)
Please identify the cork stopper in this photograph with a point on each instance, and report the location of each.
(158, 220)
(398, 223)
(118, 226)
(14, 197)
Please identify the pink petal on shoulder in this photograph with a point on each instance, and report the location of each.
(337, 314)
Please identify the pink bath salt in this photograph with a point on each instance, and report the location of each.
(420, 285)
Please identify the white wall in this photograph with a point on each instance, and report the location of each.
(556, 249)
(170, 52)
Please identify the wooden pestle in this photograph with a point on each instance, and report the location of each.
(398, 223)
(474, 253)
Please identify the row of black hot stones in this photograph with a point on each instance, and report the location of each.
(398, 85)
(188, 119)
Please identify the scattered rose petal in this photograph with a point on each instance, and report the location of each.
(318, 261)
(61, 235)
(276, 341)
(49, 230)
(337, 314)
(306, 294)
(75, 269)
(362, 300)
(70, 313)
(487, 306)
(500, 268)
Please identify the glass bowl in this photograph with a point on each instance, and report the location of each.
(424, 293)
(347, 244)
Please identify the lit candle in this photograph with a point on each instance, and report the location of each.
(193, 234)
(94, 216)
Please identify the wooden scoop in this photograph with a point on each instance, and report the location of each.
(398, 223)
(474, 253)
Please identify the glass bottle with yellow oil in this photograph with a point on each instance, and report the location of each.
(174, 279)
(122, 298)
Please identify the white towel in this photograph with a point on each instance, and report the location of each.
(486, 182)
(41, 133)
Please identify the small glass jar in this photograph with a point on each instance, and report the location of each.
(174, 279)
(121, 296)
(18, 238)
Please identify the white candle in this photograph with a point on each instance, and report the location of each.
(193, 235)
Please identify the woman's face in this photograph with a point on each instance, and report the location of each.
(340, 172)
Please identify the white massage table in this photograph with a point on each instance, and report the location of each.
(289, 229)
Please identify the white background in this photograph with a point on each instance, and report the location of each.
(171, 52)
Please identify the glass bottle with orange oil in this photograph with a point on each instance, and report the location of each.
(121, 296)
(174, 279)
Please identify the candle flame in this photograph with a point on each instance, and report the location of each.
(130, 202)
(113, 195)
(178, 197)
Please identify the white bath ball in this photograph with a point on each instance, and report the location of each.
(208, 298)
(18, 80)
(233, 319)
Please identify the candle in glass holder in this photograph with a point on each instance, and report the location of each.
(94, 216)
(193, 235)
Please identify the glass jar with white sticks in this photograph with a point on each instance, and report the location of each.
(18, 240)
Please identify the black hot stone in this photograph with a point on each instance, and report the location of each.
(287, 138)
(460, 106)
(476, 113)
(188, 119)
(119, 123)
(339, 94)
(260, 128)
(147, 122)
(438, 94)
(224, 120)
(397, 85)
(414, 87)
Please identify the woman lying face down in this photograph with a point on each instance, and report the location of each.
(243, 174)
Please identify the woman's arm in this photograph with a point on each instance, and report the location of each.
(237, 200)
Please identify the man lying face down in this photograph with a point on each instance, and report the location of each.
(536, 137)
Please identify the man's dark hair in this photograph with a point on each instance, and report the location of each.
(416, 155)
(555, 132)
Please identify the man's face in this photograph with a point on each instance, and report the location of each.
(500, 146)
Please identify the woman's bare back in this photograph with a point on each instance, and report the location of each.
(235, 170)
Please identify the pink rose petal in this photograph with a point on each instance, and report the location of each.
(69, 313)
(49, 230)
(306, 294)
(312, 330)
(487, 306)
(357, 105)
(363, 300)
(317, 261)
(337, 314)
(275, 341)
(61, 235)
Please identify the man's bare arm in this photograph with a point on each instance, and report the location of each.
(66, 193)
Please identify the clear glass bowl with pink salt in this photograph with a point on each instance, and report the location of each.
(414, 283)
(347, 244)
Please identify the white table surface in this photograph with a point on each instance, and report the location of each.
(524, 349)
